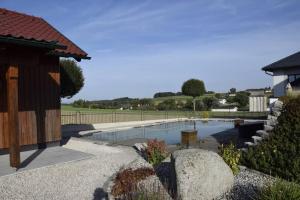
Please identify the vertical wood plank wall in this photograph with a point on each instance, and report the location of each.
(39, 100)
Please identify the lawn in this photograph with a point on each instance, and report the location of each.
(179, 98)
(66, 108)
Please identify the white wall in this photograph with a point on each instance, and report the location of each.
(279, 83)
(280, 80)
(258, 104)
(235, 109)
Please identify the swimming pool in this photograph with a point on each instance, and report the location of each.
(169, 132)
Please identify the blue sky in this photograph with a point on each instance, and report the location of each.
(142, 47)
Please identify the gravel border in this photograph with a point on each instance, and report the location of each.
(247, 184)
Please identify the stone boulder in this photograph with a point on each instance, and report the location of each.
(200, 174)
(276, 108)
(272, 120)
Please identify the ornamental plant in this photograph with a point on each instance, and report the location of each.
(280, 154)
(280, 190)
(156, 151)
(231, 155)
(126, 181)
(71, 78)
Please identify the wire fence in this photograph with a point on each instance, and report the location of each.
(77, 117)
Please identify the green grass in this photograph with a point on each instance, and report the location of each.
(241, 114)
(280, 190)
(180, 98)
(70, 108)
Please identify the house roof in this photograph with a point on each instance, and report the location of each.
(291, 61)
(22, 28)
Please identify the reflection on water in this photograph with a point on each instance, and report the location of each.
(169, 132)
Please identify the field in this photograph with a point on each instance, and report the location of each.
(71, 115)
(179, 98)
(70, 108)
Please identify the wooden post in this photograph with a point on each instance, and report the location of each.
(13, 118)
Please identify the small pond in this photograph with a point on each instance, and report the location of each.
(169, 132)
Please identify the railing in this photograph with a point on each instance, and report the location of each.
(74, 117)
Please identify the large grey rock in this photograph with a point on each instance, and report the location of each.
(268, 128)
(263, 134)
(272, 120)
(249, 144)
(200, 174)
(257, 139)
(276, 108)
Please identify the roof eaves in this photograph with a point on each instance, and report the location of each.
(32, 42)
(69, 55)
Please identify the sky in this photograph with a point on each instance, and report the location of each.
(142, 47)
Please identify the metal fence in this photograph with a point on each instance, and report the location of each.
(73, 117)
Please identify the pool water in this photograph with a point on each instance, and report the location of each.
(169, 132)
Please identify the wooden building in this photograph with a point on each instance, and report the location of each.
(30, 49)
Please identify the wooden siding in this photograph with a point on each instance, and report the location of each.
(39, 97)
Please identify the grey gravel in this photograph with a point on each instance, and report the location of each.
(80, 180)
(247, 184)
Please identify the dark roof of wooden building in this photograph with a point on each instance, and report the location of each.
(291, 61)
(22, 28)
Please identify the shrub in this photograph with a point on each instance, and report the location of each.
(231, 156)
(71, 78)
(126, 181)
(242, 98)
(169, 104)
(155, 151)
(280, 154)
(280, 190)
(205, 114)
(210, 102)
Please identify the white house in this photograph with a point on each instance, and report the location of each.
(286, 75)
(222, 101)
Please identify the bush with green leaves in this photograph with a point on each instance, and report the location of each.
(210, 102)
(280, 154)
(280, 190)
(231, 155)
(242, 98)
(193, 88)
(169, 104)
(71, 78)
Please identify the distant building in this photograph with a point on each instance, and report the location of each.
(234, 109)
(286, 75)
(256, 92)
(258, 103)
(222, 101)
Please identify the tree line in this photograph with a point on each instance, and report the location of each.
(72, 80)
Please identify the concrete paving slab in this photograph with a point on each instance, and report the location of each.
(40, 158)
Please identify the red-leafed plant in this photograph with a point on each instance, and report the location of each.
(126, 181)
(156, 151)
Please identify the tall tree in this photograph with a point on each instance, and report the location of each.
(71, 78)
(232, 90)
(194, 88)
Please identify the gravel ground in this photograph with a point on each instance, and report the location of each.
(247, 184)
(80, 180)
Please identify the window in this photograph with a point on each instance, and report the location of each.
(293, 77)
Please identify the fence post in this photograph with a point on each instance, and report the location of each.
(142, 115)
(77, 117)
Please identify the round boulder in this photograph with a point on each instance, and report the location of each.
(200, 174)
